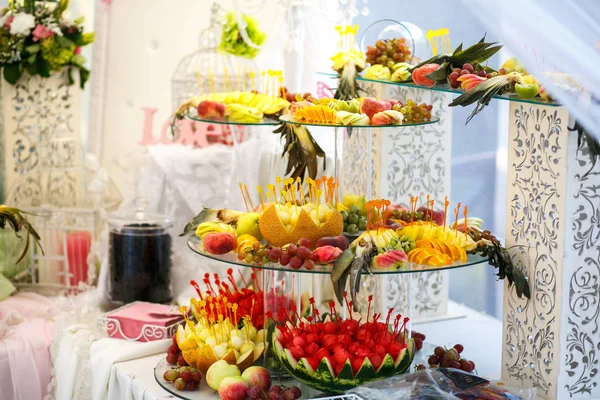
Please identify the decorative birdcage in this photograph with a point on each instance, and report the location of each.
(207, 70)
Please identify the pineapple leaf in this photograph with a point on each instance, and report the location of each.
(440, 74)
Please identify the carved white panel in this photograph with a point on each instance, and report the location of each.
(536, 203)
(40, 132)
(580, 308)
(405, 162)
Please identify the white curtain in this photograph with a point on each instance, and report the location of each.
(558, 41)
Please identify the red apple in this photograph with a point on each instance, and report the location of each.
(233, 388)
(372, 106)
(211, 110)
(258, 376)
(437, 215)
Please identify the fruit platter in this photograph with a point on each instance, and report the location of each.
(229, 328)
(465, 71)
(359, 113)
(241, 108)
(302, 226)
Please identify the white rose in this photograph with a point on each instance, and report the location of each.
(22, 24)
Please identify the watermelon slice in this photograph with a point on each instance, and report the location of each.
(335, 368)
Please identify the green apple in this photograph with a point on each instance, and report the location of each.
(527, 90)
(247, 224)
(219, 371)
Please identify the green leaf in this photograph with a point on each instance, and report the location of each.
(31, 59)
(458, 49)
(62, 6)
(13, 72)
(31, 68)
(78, 59)
(34, 48)
(70, 76)
(440, 73)
(64, 42)
(79, 20)
(487, 53)
(42, 67)
(87, 38)
(84, 75)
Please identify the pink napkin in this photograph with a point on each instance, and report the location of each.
(25, 365)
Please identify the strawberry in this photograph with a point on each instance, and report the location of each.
(394, 349)
(330, 327)
(299, 341)
(356, 364)
(361, 335)
(329, 341)
(312, 349)
(297, 352)
(341, 356)
(362, 352)
(375, 360)
(338, 368)
(314, 362)
(344, 339)
(322, 353)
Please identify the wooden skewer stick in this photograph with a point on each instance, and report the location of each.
(465, 213)
(243, 196)
(446, 204)
(249, 198)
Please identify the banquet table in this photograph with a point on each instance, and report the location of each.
(480, 334)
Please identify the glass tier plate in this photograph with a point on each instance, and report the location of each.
(195, 244)
(204, 392)
(265, 121)
(287, 118)
(448, 89)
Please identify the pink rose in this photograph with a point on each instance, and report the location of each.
(40, 32)
(77, 50)
(9, 21)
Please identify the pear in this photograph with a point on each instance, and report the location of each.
(248, 225)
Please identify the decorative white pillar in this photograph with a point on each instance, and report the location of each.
(405, 162)
(552, 342)
(40, 133)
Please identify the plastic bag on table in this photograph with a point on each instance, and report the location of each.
(442, 384)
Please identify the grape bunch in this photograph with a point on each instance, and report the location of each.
(487, 235)
(275, 393)
(388, 52)
(296, 255)
(257, 255)
(174, 356)
(449, 358)
(419, 338)
(353, 220)
(414, 113)
(407, 216)
(465, 70)
(183, 378)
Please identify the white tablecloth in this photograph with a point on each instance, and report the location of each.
(480, 334)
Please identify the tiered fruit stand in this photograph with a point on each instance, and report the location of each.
(278, 279)
(550, 178)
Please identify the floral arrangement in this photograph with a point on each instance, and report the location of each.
(233, 40)
(36, 37)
